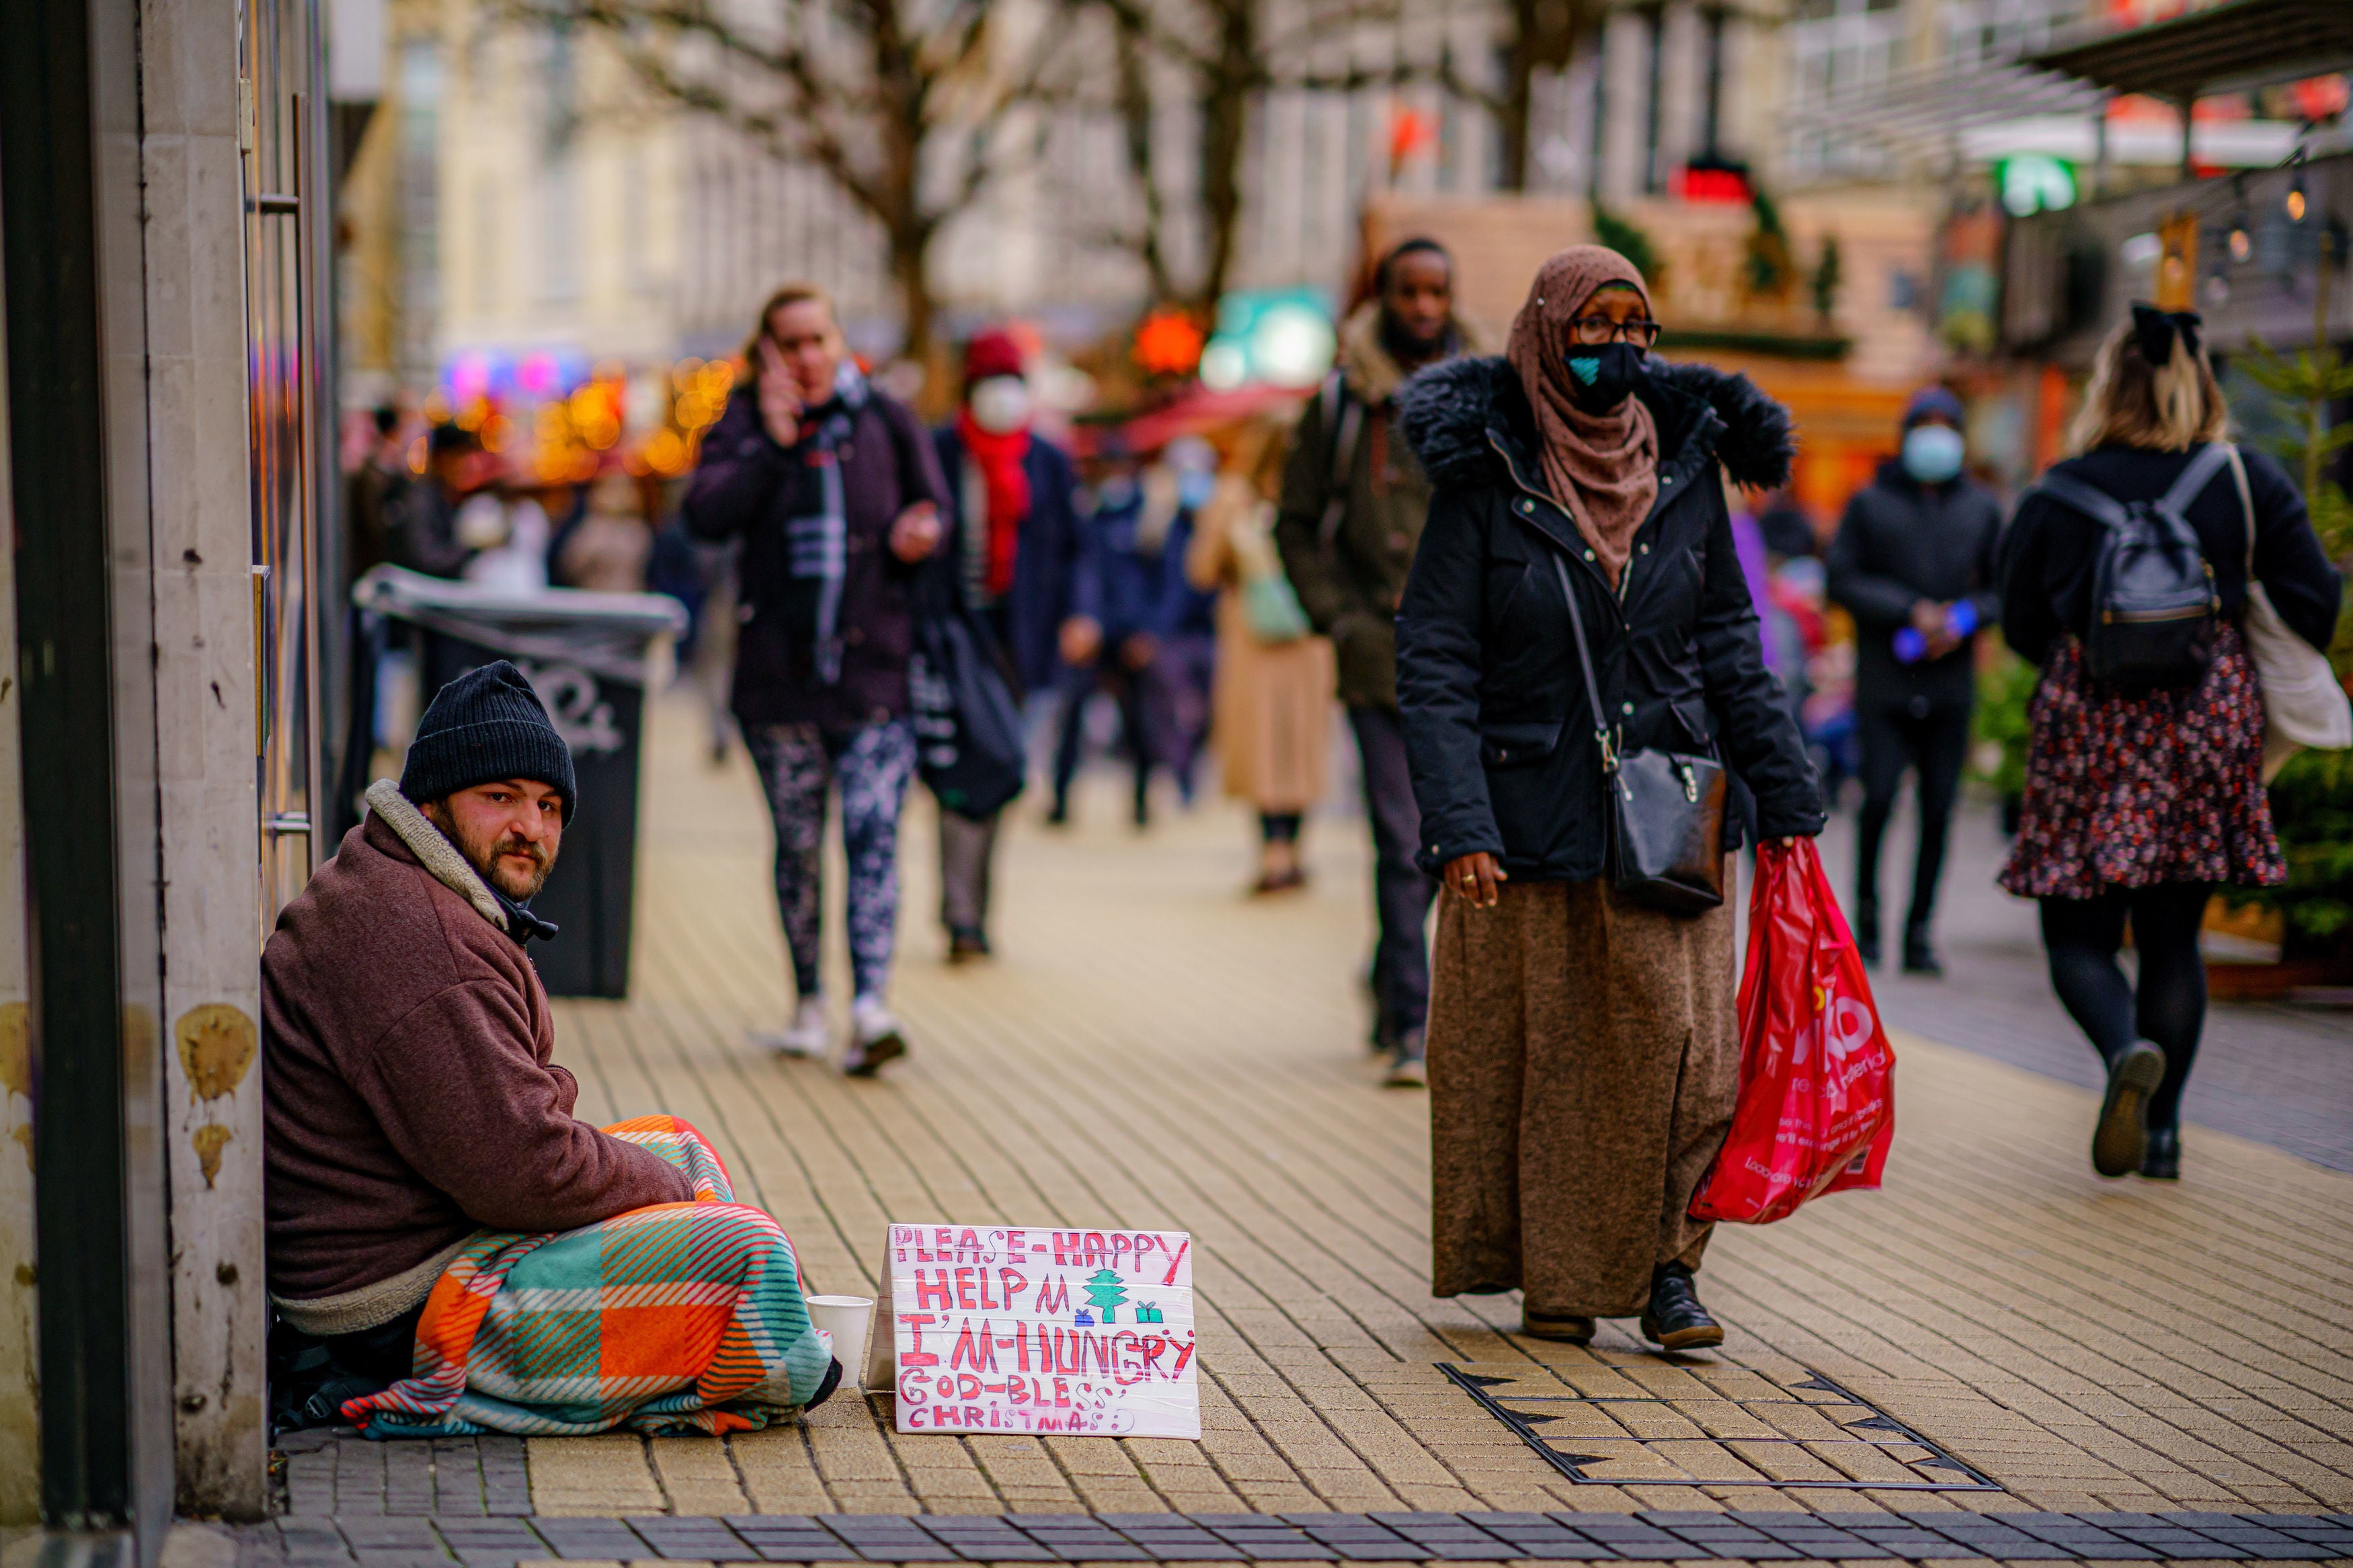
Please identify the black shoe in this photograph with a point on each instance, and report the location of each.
(1866, 935)
(2162, 1163)
(1920, 954)
(2121, 1140)
(965, 943)
(1060, 817)
(1674, 1320)
(1564, 1330)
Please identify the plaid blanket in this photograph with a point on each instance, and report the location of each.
(678, 1318)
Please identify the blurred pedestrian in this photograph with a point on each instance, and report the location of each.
(1178, 683)
(1011, 517)
(1119, 598)
(1583, 1054)
(1916, 563)
(1354, 500)
(422, 531)
(1272, 703)
(608, 543)
(2141, 799)
(372, 496)
(835, 491)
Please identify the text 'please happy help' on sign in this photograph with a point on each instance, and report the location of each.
(1042, 1330)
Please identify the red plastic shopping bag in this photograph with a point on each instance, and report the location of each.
(1817, 1108)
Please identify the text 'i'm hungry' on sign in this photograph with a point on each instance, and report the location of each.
(1040, 1330)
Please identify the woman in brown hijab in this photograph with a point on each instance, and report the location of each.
(1583, 1055)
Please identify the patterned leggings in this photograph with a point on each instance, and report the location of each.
(799, 764)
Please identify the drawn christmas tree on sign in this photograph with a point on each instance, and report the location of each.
(1104, 1293)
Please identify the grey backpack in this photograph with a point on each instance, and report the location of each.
(2155, 609)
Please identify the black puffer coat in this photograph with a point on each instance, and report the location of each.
(1498, 730)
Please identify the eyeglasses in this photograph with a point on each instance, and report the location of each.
(1597, 330)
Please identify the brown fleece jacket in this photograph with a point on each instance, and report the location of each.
(408, 1092)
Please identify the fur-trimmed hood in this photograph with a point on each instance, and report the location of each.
(1457, 413)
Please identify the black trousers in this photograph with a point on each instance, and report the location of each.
(1932, 739)
(1127, 689)
(1401, 893)
(2081, 936)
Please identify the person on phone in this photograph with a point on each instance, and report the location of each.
(835, 491)
(1913, 562)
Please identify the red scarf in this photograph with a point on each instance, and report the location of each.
(1001, 459)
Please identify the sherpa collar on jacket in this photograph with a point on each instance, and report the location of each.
(1371, 372)
(437, 854)
(1470, 423)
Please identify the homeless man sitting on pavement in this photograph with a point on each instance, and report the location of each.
(450, 1251)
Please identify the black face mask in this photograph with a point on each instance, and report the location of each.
(1602, 377)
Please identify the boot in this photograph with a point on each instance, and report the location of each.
(1919, 952)
(2162, 1160)
(2120, 1142)
(1674, 1320)
(1866, 931)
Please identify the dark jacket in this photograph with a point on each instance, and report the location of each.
(1120, 585)
(407, 1087)
(1498, 727)
(1045, 560)
(746, 485)
(1350, 584)
(421, 531)
(1901, 541)
(2049, 555)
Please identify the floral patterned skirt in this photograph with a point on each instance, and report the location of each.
(2128, 789)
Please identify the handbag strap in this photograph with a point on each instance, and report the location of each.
(1585, 657)
(2247, 505)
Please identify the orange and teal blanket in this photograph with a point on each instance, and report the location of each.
(678, 1318)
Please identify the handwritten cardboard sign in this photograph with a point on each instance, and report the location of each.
(1041, 1330)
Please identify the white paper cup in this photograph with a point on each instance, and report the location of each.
(850, 1320)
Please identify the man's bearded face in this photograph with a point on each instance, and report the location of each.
(509, 831)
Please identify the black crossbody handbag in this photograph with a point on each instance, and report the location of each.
(1665, 823)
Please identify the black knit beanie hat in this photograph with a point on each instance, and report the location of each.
(485, 725)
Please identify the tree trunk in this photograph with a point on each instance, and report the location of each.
(1135, 123)
(1512, 108)
(1226, 94)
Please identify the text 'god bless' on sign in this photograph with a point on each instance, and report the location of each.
(1040, 1330)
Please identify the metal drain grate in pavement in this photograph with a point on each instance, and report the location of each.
(1712, 1425)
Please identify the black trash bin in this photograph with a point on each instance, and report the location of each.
(588, 656)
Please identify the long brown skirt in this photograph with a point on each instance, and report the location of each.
(1584, 1060)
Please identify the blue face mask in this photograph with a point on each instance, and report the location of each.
(1932, 453)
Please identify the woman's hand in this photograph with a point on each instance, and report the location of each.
(780, 397)
(915, 532)
(1473, 878)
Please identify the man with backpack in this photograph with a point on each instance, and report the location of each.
(1916, 563)
(1353, 502)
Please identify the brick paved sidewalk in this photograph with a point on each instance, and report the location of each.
(1153, 1050)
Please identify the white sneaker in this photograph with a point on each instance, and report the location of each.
(805, 1037)
(874, 1037)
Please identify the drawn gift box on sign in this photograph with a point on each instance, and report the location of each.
(1038, 1328)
